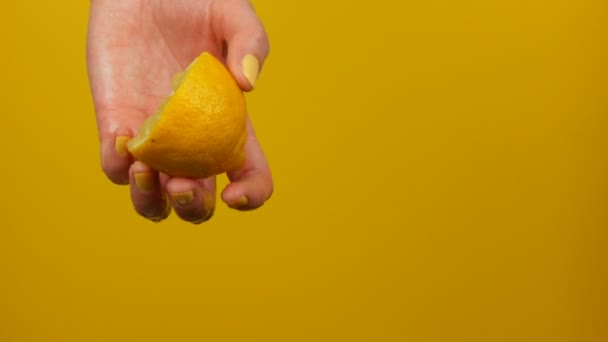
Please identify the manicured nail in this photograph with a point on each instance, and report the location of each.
(183, 198)
(241, 202)
(120, 145)
(251, 68)
(144, 181)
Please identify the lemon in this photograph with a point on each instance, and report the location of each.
(200, 129)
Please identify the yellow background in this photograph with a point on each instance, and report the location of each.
(441, 174)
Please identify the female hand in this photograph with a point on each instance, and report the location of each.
(134, 49)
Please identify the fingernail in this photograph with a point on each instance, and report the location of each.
(251, 68)
(183, 198)
(120, 144)
(241, 202)
(144, 181)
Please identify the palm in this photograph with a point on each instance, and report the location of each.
(134, 50)
(146, 50)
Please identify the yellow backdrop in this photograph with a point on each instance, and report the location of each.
(441, 174)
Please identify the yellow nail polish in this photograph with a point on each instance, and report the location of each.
(120, 144)
(183, 198)
(251, 68)
(243, 201)
(144, 181)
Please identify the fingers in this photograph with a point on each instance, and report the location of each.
(146, 193)
(116, 128)
(193, 200)
(248, 47)
(115, 158)
(251, 186)
(248, 44)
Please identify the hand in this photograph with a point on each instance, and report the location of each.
(134, 49)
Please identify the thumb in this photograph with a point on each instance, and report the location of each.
(248, 45)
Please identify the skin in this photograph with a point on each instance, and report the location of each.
(134, 49)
